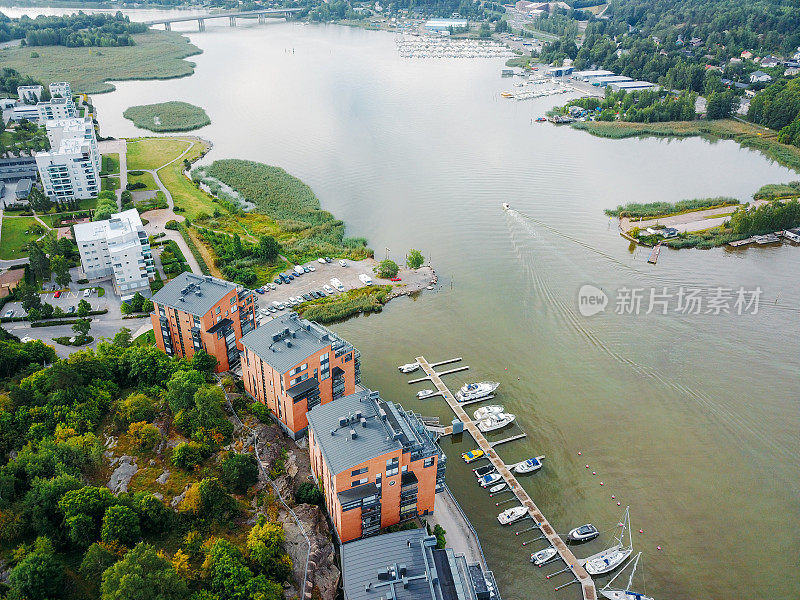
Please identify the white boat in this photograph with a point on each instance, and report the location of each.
(497, 488)
(510, 515)
(612, 558)
(584, 533)
(542, 556)
(528, 466)
(485, 411)
(409, 368)
(424, 393)
(506, 206)
(496, 421)
(490, 479)
(473, 391)
(627, 594)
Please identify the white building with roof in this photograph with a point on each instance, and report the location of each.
(61, 89)
(56, 109)
(71, 168)
(117, 248)
(29, 93)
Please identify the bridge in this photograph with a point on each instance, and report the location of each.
(262, 15)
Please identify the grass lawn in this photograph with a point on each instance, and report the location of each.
(145, 178)
(186, 195)
(110, 164)
(156, 55)
(87, 203)
(109, 183)
(14, 236)
(147, 154)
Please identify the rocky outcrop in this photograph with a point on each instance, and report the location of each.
(323, 573)
(125, 469)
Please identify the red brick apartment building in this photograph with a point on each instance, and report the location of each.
(376, 463)
(292, 365)
(194, 312)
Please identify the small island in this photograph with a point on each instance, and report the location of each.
(168, 117)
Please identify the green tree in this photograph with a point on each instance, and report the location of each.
(308, 493)
(144, 434)
(84, 308)
(37, 577)
(137, 407)
(47, 310)
(28, 295)
(40, 264)
(414, 259)
(181, 388)
(268, 249)
(60, 268)
(81, 327)
(143, 575)
(153, 515)
(187, 455)
(721, 105)
(34, 314)
(204, 362)
(239, 471)
(120, 524)
(122, 339)
(38, 201)
(136, 302)
(387, 269)
(265, 550)
(97, 559)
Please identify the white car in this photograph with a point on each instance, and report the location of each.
(321, 260)
(337, 284)
(298, 270)
(312, 267)
(342, 263)
(9, 314)
(87, 292)
(278, 305)
(365, 279)
(327, 289)
(272, 286)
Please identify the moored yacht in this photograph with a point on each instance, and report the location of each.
(495, 421)
(473, 391)
(510, 515)
(485, 411)
(409, 368)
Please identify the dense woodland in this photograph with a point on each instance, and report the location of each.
(64, 534)
(74, 30)
(778, 107)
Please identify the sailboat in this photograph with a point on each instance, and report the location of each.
(612, 558)
(616, 594)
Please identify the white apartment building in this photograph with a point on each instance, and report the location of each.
(62, 89)
(29, 93)
(71, 169)
(117, 248)
(56, 109)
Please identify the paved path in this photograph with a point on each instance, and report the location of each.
(460, 537)
(156, 221)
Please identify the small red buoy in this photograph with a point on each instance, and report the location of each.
(618, 504)
(524, 543)
(658, 548)
(601, 483)
(579, 453)
(587, 466)
(641, 531)
(594, 472)
(613, 497)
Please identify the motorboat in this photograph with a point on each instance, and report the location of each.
(472, 455)
(506, 206)
(485, 411)
(510, 515)
(496, 421)
(497, 488)
(612, 558)
(627, 594)
(409, 368)
(541, 120)
(490, 479)
(424, 394)
(542, 556)
(584, 533)
(507, 94)
(473, 391)
(481, 471)
(528, 466)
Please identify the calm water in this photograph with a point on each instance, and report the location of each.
(691, 420)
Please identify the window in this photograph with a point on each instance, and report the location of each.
(348, 358)
(298, 379)
(217, 310)
(392, 467)
(296, 370)
(428, 462)
(359, 482)
(233, 299)
(358, 472)
(378, 478)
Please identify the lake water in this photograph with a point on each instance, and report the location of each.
(691, 419)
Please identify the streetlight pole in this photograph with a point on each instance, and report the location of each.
(387, 254)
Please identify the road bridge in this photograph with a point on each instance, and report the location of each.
(261, 14)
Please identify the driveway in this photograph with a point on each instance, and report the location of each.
(156, 221)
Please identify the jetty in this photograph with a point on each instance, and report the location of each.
(573, 564)
(654, 254)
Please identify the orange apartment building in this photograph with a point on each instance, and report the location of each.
(376, 463)
(194, 312)
(292, 365)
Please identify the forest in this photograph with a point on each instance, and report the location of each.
(73, 31)
(778, 107)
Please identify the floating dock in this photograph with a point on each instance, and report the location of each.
(654, 254)
(574, 565)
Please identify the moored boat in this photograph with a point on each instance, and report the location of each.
(612, 558)
(497, 488)
(510, 515)
(506, 206)
(424, 394)
(496, 421)
(473, 391)
(528, 466)
(485, 411)
(481, 471)
(584, 533)
(542, 556)
(472, 455)
(409, 368)
(627, 594)
(490, 479)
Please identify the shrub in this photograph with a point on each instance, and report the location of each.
(308, 493)
(187, 455)
(137, 407)
(261, 411)
(387, 269)
(120, 524)
(239, 471)
(171, 224)
(144, 434)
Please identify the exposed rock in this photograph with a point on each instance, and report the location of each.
(322, 570)
(121, 477)
(5, 571)
(162, 479)
(291, 464)
(158, 495)
(179, 498)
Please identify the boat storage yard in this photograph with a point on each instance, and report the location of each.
(573, 564)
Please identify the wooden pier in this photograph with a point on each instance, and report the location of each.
(573, 564)
(654, 254)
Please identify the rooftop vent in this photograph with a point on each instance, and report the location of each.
(353, 434)
(343, 421)
(333, 432)
(363, 422)
(358, 415)
(198, 293)
(402, 569)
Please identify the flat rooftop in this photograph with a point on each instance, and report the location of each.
(192, 293)
(119, 223)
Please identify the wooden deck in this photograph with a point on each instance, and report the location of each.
(573, 564)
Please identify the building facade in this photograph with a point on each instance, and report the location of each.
(407, 565)
(61, 89)
(117, 248)
(292, 365)
(194, 312)
(29, 93)
(71, 169)
(56, 109)
(377, 465)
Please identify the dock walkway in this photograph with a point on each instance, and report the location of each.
(573, 563)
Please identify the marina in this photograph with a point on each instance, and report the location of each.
(412, 46)
(573, 564)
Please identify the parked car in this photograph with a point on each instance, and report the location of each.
(299, 270)
(57, 295)
(365, 279)
(321, 260)
(87, 292)
(328, 259)
(308, 297)
(259, 290)
(9, 314)
(272, 286)
(328, 289)
(71, 309)
(277, 280)
(395, 279)
(342, 263)
(337, 284)
(272, 309)
(311, 267)
(290, 276)
(278, 305)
